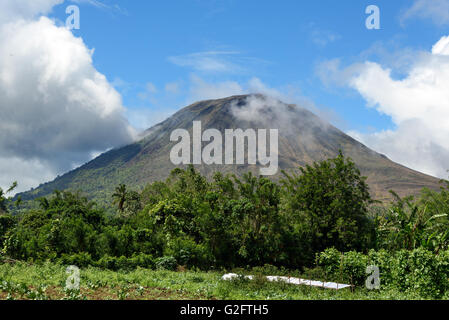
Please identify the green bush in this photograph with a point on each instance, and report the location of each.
(349, 267)
(189, 254)
(354, 268)
(7, 222)
(143, 260)
(422, 271)
(166, 263)
(331, 261)
(81, 260)
(383, 260)
(419, 270)
(267, 270)
(108, 262)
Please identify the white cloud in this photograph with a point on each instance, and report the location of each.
(435, 10)
(202, 90)
(218, 62)
(418, 104)
(172, 87)
(321, 37)
(29, 173)
(144, 118)
(151, 88)
(95, 3)
(441, 47)
(210, 61)
(11, 10)
(148, 94)
(56, 107)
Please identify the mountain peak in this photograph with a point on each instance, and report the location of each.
(303, 139)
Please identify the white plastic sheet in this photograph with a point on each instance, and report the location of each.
(297, 281)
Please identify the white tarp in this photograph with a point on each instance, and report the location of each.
(297, 281)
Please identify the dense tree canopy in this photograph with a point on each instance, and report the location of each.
(226, 222)
(330, 199)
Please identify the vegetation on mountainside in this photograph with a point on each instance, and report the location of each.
(322, 219)
(303, 139)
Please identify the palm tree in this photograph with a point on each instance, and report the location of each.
(4, 200)
(120, 197)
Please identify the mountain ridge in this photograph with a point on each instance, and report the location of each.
(303, 139)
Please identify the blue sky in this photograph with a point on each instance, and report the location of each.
(68, 95)
(279, 42)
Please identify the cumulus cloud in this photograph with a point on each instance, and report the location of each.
(206, 90)
(274, 113)
(435, 10)
(56, 108)
(418, 104)
(11, 10)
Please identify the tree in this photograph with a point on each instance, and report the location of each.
(132, 204)
(119, 197)
(4, 200)
(329, 203)
(67, 224)
(410, 224)
(257, 226)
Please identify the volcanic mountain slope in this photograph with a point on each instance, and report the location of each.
(303, 139)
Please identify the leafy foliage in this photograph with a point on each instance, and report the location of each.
(331, 200)
(410, 224)
(418, 270)
(231, 222)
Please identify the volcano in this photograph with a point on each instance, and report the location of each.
(303, 139)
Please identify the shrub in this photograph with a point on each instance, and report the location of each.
(354, 268)
(107, 262)
(266, 270)
(426, 276)
(419, 270)
(348, 267)
(188, 253)
(166, 263)
(384, 261)
(81, 260)
(123, 263)
(331, 261)
(143, 260)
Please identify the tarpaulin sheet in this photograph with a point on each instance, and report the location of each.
(291, 280)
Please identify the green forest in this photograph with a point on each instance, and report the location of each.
(320, 222)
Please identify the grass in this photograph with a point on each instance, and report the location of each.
(47, 282)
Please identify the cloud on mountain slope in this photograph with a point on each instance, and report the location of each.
(418, 104)
(57, 109)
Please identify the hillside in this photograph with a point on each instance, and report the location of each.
(303, 139)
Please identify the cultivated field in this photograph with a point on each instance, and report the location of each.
(47, 281)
